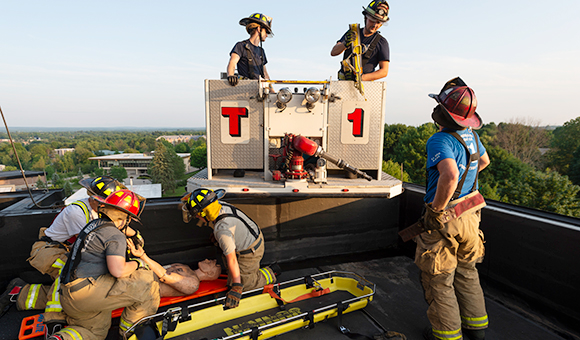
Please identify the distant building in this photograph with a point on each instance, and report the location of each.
(14, 178)
(176, 139)
(62, 151)
(135, 163)
(109, 152)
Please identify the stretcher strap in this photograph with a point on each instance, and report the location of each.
(314, 293)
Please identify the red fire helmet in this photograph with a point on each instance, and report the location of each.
(459, 103)
(124, 200)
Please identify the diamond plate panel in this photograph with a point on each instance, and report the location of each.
(362, 156)
(235, 156)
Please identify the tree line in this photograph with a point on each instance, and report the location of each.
(531, 166)
(36, 152)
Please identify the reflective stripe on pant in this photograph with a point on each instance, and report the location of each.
(53, 305)
(89, 307)
(450, 280)
(448, 335)
(251, 274)
(32, 297)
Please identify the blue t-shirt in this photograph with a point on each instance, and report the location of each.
(380, 53)
(443, 145)
(258, 62)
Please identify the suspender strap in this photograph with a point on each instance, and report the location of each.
(372, 46)
(252, 60)
(470, 158)
(86, 209)
(234, 213)
(75, 254)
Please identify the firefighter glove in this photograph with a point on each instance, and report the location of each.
(350, 37)
(234, 295)
(140, 263)
(433, 220)
(138, 240)
(233, 80)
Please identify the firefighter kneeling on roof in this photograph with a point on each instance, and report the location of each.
(97, 278)
(453, 243)
(239, 238)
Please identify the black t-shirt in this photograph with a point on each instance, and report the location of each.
(258, 59)
(380, 53)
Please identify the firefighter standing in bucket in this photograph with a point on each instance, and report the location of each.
(240, 239)
(248, 55)
(97, 278)
(453, 243)
(375, 46)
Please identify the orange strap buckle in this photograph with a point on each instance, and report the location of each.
(31, 327)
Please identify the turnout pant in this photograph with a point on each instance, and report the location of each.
(447, 259)
(48, 258)
(249, 262)
(89, 302)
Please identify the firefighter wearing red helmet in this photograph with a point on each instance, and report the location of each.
(248, 55)
(375, 47)
(97, 278)
(239, 237)
(452, 244)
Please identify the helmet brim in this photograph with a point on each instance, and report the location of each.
(246, 21)
(140, 198)
(452, 121)
(86, 183)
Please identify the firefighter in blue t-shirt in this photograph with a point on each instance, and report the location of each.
(453, 243)
(375, 46)
(248, 55)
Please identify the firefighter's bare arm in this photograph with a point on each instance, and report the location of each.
(484, 161)
(267, 76)
(172, 282)
(234, 58)
(118, 267)
(233, 267)
(378, 74)
(447, 183)
(337, 49)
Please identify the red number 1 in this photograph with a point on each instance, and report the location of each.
(357, 118)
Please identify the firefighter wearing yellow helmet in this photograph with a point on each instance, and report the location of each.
(239, 237)
(248, 55)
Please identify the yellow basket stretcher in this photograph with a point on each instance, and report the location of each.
(263, 313)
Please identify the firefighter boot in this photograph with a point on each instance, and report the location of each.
(9, 296)
(428, 333)
(474, 334)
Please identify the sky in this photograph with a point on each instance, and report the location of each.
(142, 63)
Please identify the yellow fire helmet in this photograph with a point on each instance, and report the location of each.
(200, 203)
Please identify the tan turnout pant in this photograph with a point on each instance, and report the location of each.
(252, 275)
(89, 305)
(447, 261)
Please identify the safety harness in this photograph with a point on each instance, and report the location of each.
(75, 254)
(252, 60)
(234, 213)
